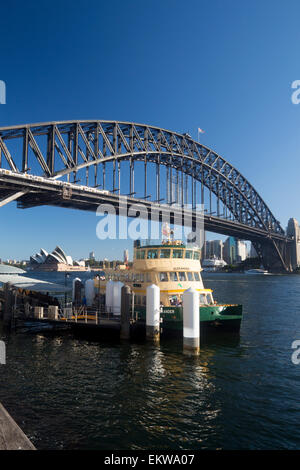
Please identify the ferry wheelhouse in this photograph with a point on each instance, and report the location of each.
(174, 267)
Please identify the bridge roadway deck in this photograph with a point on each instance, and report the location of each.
(47, 191)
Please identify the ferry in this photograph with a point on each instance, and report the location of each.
(213, 265)
(173, 266)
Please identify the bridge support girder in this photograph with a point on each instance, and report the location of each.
(275, 255)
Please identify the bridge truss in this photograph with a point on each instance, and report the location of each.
(142, 162)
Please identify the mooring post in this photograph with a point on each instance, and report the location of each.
(125, 312)
(116, 300)
(153, 313)
(191, 322)
(76, 291)
(109, 295)
(7, 314)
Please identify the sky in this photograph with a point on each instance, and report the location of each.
(224, 66)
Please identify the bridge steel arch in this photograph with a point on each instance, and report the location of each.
(61, 150)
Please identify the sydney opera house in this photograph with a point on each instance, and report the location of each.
(55, 261)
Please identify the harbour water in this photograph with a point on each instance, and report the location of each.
(242, 392)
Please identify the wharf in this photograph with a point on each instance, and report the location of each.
(85, 320)
(11, 435)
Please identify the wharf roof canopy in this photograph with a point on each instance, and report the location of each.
(36, 285)
(6, 269)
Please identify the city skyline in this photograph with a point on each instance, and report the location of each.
(179, 101)
(212, 248)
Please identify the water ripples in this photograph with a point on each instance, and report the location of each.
(241, 393)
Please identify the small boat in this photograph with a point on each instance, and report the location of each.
(257, 271)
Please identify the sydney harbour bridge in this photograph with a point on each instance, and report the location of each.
(81, 164)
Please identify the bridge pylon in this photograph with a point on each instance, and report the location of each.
(275, 254)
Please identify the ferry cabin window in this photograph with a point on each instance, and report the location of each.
(177, 253)
(196, 255)
(181, 276)
(152, 254)
(140, 254)
(173, 276)
(203, 299)
(190, 276)
(163, 277)
(197, 277)
(189, 254)
(164, 253)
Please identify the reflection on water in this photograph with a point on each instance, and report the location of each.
(241, 392)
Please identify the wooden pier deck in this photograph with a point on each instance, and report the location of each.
(11, 435)
(82, 320)
(91, 323)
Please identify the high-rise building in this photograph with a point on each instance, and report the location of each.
(229, 250)
(213, 249)
(293, 231)
(234, 250)
(241, 251)
(92, 255)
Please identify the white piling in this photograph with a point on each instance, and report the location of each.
(89, 288)
(153, 313)
(117, 295)
(38, 312)
(53, 312)
(191, 322)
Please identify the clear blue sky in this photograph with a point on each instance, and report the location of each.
(226, 66)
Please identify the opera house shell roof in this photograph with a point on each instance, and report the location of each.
(57, 256)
